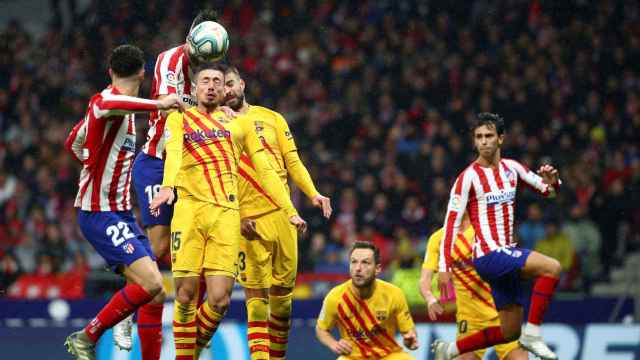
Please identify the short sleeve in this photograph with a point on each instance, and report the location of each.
(432, 255)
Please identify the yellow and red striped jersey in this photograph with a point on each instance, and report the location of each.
(274, 134)
(203, 153)
(369, 324)
(473, 296)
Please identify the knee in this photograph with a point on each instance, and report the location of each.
(219, 302)
(153, 285)
(554, 268)
(185, 294)
(511, 334)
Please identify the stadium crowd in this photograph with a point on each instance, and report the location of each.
(378, 95)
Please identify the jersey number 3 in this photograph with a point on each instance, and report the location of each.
(119, 233)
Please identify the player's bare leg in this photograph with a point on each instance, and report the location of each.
(213, 310)
(150, 326)
(144, 283)
(517, 354)
(257, 302)
(468, 356)
(280, 303)
(546, 271)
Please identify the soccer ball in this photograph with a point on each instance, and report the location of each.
(208, 41)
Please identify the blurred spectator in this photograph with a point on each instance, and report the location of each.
(586, 239)
(558, 246)
(532, 229)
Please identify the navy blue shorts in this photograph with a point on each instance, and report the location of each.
(501, 269)
(115, 235)
(147, 179)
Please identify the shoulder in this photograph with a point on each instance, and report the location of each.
(168, 59)
(336, 293)
(267, 113)
(436, 236)
(512, 164)
(385, 287)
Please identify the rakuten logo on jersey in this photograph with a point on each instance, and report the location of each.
(500, 197)
(202, 135)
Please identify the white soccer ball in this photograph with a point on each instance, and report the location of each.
(208, 41)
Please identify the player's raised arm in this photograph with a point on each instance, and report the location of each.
(173, 161)
(268, 177)
(546, 183)
(111, 104)
(296, 168)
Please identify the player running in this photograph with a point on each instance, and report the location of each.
(104, 141)
(268, 257)
(368, 312)
(203, 155)
(487, 190)
(475, 309)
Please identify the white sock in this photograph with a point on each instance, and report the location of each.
(532, 330)
(453, 349)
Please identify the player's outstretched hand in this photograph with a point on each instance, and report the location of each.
(299, 223)
(434, 309)
(341, 347)
(410, 339)
(171, 102)
(324, 203)
(443, 284)
(228, 111)
(549, 174)
(164, 196)
(248, 229)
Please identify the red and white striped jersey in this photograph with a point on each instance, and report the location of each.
(171, 76)
(105, 142)
(489, 195)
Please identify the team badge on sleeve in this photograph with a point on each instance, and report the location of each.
(454, 203)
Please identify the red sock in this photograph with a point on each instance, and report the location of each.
(150, 330)
(202, 290)
(121, 305)
(541, 296)
(481, 340)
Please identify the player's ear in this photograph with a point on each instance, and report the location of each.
(242, 85)
(141, 73)
(378, 269)
(110, 73)
(500, 139)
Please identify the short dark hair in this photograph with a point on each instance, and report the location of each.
(367, 245)
(210, 65)
(232, 70)
(489, 119)
(126, 60)
(204, 15)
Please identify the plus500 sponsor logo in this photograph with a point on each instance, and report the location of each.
(500, 197)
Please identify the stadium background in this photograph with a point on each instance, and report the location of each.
(378, 95)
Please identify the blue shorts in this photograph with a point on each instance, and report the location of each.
(501, 269)
(147, 179)
(116, 236)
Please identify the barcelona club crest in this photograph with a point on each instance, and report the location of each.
(381, 315)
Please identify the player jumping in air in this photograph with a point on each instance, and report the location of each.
(173, 74)
(104, 141)
(268, 257)
(475, 309)
(487, 190)
(203, 155)
(368, 312)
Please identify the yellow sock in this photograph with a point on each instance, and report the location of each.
(207, 321)
(279, 322)
(257, 328)
(184, 330)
